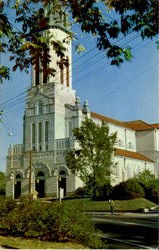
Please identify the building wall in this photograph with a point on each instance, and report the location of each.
(126, 168)
(145, 140)
(126, 138)
(156, 139)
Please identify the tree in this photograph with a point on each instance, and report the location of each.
(26, 44)
(93, 160)
(151, 185)
(2, 184)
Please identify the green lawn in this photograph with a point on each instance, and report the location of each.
(18, 242)
(125, 205)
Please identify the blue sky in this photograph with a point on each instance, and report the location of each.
(129, 92)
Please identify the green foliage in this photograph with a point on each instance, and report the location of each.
(55, 222)
(2, 182)
(129, 189)
(6, 206)
(150, 184)
(81, 192)
(93, 161)
(139, 16)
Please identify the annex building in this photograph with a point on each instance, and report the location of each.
(52, 111)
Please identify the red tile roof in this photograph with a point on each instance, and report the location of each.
(139, 125)
(155, 125)
(110, 120)
(131, 154)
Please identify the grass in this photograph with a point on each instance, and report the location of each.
(125, 205)
(17, 242)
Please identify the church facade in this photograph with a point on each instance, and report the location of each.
(52, 111)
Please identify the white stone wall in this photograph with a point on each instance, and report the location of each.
(126, 138)
(63, 96)
(61, 36)
(125, 168)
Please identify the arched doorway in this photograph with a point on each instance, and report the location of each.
(40, 184)
(17, 186)
(62, 181)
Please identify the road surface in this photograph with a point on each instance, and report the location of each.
(128, 230)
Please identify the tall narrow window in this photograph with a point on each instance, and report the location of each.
(40, 135)
(70, 129)
(33, 136)
(37, 70)
(40, 132)
(67, 72)
(46, 135)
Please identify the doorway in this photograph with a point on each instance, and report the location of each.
(17, 186)
(40, 184)
(62, 181)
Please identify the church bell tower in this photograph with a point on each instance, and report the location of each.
(44, 119)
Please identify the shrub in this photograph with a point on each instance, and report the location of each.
(6, 206)
(81, 192)
(129, 189)
(57, 222)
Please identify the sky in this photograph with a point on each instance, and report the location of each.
(126, 93)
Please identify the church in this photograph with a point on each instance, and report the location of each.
(52, 111)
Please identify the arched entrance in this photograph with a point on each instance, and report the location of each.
(62, 181)
(40, 184)
(17, 186)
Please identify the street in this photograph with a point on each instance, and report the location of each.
(127, 230)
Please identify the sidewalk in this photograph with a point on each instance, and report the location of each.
(125, 214)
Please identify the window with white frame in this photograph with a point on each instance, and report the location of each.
(130, 145)
(116, 169)
(120, 143)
